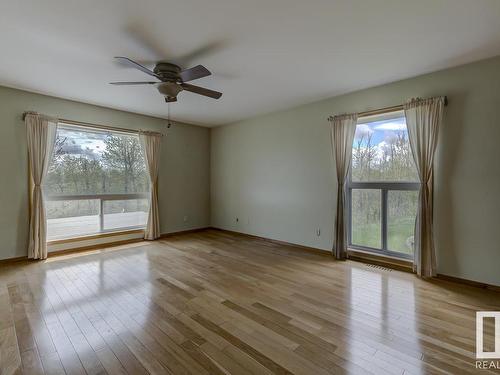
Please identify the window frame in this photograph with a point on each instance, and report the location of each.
(384, 187)
(101, 197)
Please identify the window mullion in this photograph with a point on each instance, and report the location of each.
(101, 215)
(384, 219)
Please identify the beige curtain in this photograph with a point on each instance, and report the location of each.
(41, 135)
(342, 131)
(151, 144)
(423, 119)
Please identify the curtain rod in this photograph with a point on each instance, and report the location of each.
(380, 111)
(96, 126)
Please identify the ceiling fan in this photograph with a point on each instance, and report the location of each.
(172, 79)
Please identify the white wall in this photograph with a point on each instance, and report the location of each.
(184, 172)
(275, 173)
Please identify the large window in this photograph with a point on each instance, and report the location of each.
(382, 187)
(97, 182)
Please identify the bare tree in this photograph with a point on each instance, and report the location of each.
(124, 155)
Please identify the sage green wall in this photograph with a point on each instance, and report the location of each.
(275, 173)
(184, 173)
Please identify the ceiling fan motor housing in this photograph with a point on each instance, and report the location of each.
(168, 72)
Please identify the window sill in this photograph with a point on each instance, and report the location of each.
(94, 236)
(379, 259)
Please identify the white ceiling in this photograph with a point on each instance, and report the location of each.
(265, 55)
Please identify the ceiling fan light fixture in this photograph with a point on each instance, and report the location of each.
(169, 89)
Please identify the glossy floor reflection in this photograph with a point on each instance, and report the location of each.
(218, 303)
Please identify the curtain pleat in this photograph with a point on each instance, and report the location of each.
(41, 135)
(423, 119)
(343, 128)
(151, 146)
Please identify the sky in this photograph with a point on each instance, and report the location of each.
(89, 144)
(382, 131)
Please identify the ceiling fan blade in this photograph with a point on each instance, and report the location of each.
(201, 52)
(136, 65)
(132, 83)
(199, 71)
(201, 91)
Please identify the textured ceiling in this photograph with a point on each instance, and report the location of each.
(264, 55)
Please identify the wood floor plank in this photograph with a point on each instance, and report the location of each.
(10, 358)
(248, 349)
(231, 366)
(67, 354)
(52, 364)
(246, 361)
(112, 353)
(31, 362)
(214, 302)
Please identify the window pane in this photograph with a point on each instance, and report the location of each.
(89, 166)
(401, 214)
(366, 223)
(71, 218)
(125, 213)
(381, 151)
(91, 161)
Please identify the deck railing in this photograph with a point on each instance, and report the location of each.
(102, 199)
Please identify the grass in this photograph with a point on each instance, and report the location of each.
(398, 232)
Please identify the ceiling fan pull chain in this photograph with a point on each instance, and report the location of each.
(168, 117)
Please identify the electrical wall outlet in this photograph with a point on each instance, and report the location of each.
(318, 232)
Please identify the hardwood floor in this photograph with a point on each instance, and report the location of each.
(218, 303)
